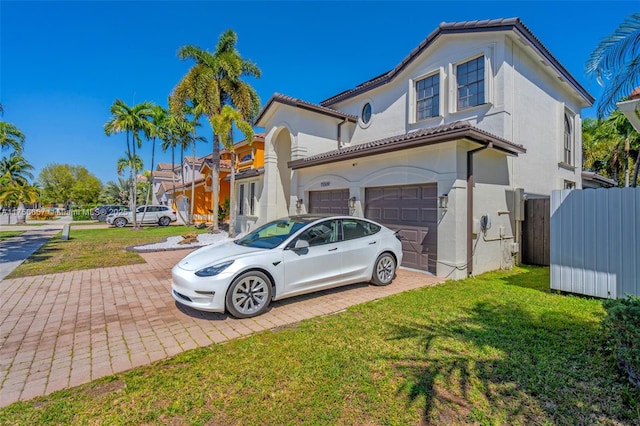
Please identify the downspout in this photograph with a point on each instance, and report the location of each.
(340, 133)
(470, 184)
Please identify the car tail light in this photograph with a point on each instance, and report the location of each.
(398, 236)
(174, 212)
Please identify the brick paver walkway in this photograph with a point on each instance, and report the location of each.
(63, 330)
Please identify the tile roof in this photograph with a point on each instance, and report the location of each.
(426, 136)
(504, 24)
(299, 103)
(162, 174)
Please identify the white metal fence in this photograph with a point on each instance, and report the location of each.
(595, 241)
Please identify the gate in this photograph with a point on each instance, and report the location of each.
(536, 232)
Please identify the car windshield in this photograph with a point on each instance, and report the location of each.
(272, 234)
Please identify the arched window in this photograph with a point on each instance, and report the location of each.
(568, 140)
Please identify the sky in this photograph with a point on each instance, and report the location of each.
(63, 64)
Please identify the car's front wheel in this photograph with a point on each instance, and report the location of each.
(384, 270)
(120, 222)
(164, 221)
(249, 295)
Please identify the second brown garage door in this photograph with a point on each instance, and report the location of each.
(412, 209)
(329, 202)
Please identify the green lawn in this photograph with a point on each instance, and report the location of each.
(94, 248)
(9, 234)
(497, 349)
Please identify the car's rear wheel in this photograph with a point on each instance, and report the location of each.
(384, 270)
(120, 222)
(102, 217)
(164, 221)
(249, 295)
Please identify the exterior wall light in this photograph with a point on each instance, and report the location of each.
(443, 201)
(352, 202)
(299, 203)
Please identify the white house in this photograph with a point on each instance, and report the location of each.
(444, 147)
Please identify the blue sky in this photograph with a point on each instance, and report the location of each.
(62, 64)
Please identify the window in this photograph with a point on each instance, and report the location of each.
(252, 196)
(470, 80)
(568, 140)
(366, 113)
(241, 200)
(322, 233)
(428, 97)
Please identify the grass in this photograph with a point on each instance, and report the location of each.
(497, 349)
(94, 248)
(9, 234)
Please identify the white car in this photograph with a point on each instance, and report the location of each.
(162, 215)
(285, 258)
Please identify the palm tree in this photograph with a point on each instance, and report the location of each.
(134, 164)
(14, 193)
(159, 120)
(17, 168)
(132, 121)
(221, 73)
(615, 63)
(223, 126)
(11, 137)
(179, 132)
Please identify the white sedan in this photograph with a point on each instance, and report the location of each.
(285, 258)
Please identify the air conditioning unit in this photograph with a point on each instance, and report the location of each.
(515, 248)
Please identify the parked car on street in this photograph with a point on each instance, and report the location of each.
(100, 213)
(162, 215)
(284, 258)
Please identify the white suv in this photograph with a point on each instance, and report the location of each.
(162, 215)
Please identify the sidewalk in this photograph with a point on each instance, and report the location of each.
(14, 251)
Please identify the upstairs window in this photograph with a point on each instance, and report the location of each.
(568, 140)
(428, 97)
(470, 81)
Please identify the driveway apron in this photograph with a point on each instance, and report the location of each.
(63, 330)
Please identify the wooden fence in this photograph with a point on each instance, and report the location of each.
(535, 232)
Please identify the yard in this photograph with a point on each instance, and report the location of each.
(94, 248)
(497, 349)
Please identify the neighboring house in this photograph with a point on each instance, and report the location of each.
(444, 147)
(248, 158)
(594, 180)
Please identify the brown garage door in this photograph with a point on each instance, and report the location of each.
(412, 209)
(329, 202)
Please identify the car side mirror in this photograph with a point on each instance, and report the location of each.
(301, 244)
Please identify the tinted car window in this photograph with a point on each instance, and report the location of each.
(322, 233)
(357, 229)
(271, 234)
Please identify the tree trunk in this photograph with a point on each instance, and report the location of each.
(635, 171)
(215, 183)
(21, 214)
(132, 184)
(232, 195)
(193, 184)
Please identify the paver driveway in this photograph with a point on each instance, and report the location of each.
(63, 330)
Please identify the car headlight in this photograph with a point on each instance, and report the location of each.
(210, 271)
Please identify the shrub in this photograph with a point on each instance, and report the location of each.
(622, 324)
(81, 214)
(42, 215)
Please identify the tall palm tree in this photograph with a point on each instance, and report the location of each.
(125, 162)
(11, 137)
(159, 120)
(223, 125)
(17, 168)
(615, 63)
(222, 71)
(179, 132)
(132, 121)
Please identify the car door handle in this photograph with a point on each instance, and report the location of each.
(373, 242)
(333, 249)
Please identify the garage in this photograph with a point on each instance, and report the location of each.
(413, 210)
(329, 202)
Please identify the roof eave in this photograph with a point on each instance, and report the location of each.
(449, 136)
